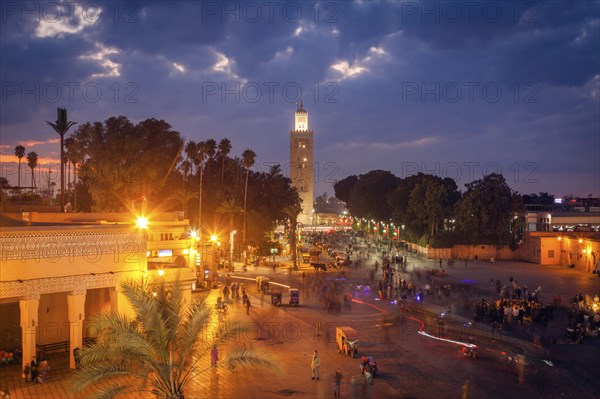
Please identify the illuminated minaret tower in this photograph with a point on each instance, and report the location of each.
(301, 163)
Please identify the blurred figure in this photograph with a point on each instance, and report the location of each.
(338, 381)
(214, 356)
(466, 389)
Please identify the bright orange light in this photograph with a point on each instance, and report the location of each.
(580, 240)
(142, 222)
(559, 238)
(214, 238)
(161, 272)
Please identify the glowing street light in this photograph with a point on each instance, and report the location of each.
(142, 222)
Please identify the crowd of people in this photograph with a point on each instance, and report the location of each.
(513, 311)
(585, 314)
(516, 305)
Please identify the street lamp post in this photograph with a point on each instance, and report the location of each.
(231, 245)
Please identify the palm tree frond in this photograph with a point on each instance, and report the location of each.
(93, 375)
(247, 356)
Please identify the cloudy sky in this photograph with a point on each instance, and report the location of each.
(459, 89)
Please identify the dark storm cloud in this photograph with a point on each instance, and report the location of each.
(379, 79)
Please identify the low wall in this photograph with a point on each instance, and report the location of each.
(470, 252)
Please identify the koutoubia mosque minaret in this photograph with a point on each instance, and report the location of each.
(302, 163)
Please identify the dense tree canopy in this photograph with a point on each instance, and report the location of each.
(368, 196)
(486, 211)
(343, 187)
(432, 208)
(422, 202)
(120, 162)
(125, 161)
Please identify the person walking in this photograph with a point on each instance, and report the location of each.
(466, 389)
(338, 382)
(27, 371)
(314, 365)
(34, 369)
(247, 305)
(214, 356)
(44, 371)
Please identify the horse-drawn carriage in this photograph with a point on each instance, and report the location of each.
(262, 284)
(346, 339)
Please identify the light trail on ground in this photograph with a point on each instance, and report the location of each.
(421, 328)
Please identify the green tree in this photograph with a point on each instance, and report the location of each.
(230, 208)
(124, 161)
(32, 162)
(248, 158)
(486, 211)
(271, 193)
(224, 150)
(75, 155)
(426, 205)
(199, 158)
(3, 186)
(368, 197)
(156, 351)
(62, 126)
(191, 148)
(292, 213)
(343, 187)
(19, 153)
(183, 197)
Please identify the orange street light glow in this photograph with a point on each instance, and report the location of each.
(142, 222)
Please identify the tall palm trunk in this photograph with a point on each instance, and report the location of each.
(19, 177)
(68, 183)
(74, 186)
(293, 244)
(62, 172)
(244, 216)
(201, 170)
(223, 169)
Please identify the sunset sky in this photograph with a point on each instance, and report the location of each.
(457, 89)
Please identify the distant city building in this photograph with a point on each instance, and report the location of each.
(580, 251)
(576, 220)
(301, 163)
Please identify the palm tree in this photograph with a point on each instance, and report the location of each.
(75, 156)
(292, 212)
(157, 350)
(183, 197)
(248, 158)
(4, 184)
(19, 153)
(224, 149)
(190, 154)
(32, 162)
(211, 148)
(200, 156)
(230, 207)
(62, 126)
(67, 162)
(186, 167)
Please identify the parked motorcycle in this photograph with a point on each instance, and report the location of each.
(470, 352)
(576, 334)
(221, 306)
(368, 368)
